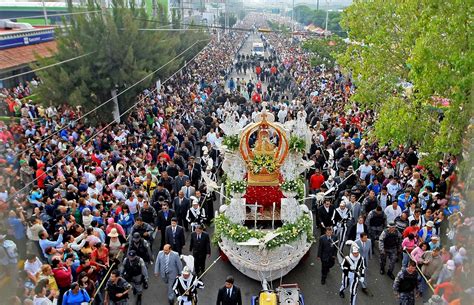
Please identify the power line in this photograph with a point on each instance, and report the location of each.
(120, 93)
(225, 28)
(104, 128)
(48, 66)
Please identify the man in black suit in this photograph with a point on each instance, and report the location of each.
(200, 247)
(324, 216)
(326, 253)
(229, 294)
(181, 206)
(193, 173)
(164, 219)
(175, 236)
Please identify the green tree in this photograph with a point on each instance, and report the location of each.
(305, 15)
(325, 50)
(121, 54)
(426, 43)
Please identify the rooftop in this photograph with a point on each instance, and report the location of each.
(18, 56)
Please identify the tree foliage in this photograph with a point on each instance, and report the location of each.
(426, 43)
(278, 27)
(122, 53)
(305, 15)
(325, 50)
(232, 20)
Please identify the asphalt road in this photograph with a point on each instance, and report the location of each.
(307, 274)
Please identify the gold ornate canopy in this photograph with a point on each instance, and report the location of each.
(265, 158)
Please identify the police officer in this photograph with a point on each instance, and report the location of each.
(353, 272)
(141, 247)
(144, 229)
(185, 286)
(406, 284)
(117, 289)
(375, 223)
(390, 243)
(135, 272)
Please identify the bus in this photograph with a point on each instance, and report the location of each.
(257, 49)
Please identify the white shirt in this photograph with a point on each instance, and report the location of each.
(393, 189)
(364, 170)
(33, 268)
(392, 213)
(359, 229)
(133, 205)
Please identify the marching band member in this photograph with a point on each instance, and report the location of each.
(353, 272)
(185, 286)
(196, 215)
(341, 218)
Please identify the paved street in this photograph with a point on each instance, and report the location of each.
(307, 274)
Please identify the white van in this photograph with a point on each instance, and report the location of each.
(257, 49)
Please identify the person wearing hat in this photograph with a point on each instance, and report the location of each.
(115, 242)
(447, 272)
(406, 284)
(135, 272)
(196, 215)
(435, 242)
(341, 218)
(390, 242)
(353, 273)
(185, 287)
(141, 247)
(427, 232)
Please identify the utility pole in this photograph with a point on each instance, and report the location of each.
(154, 8)
(327, 16)
(293, 18)
(45, 14)
(317, 5)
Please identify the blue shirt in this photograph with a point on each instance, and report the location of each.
(17, 227)
(44, 243)
(75, 299)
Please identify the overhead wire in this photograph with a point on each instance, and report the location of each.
(118, 94)
(261, 30)
(101, 130)
(48, 66)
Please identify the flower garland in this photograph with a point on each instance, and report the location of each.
(233, 231)
(231, 142)
(300, 192)
(260, 162)
(296, 144)
(237, 186)
(289, 232)
(290, 186)
(292, 231)
(296, 186)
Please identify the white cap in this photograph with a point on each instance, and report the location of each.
(430, 224)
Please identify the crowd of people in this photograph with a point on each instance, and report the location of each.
(74, 201)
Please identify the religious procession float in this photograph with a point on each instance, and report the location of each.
(263, 226)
